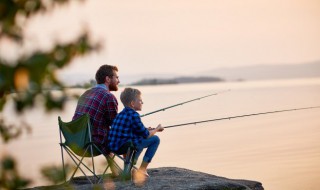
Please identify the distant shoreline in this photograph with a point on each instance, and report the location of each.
(177, 80)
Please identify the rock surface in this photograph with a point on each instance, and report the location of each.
(168, 178)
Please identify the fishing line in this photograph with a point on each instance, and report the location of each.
(164, 109)
(238, 116)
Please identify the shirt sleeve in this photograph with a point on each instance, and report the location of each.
(138, 127)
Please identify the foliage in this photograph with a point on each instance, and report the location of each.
(31, 76)
(55, 174)
(9, 176)
(85, 85)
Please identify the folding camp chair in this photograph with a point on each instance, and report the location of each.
(79, 145)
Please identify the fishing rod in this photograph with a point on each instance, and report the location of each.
(163, 109)
(238, 116)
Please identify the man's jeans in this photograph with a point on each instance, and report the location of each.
(151, 144)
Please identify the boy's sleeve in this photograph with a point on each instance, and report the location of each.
(138, 126)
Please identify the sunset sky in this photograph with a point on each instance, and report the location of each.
(183, 37)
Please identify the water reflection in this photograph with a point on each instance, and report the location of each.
(280, 150)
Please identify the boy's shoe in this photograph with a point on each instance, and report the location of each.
(146, 173)
(139, 177)
(135, 170)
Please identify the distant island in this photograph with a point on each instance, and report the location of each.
(241, 73)
(177, 80)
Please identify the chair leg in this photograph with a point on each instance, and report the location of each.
(73, 157)
(78, 165)
(114, 167)
(64, 170)
(93, 167)
(128, 163)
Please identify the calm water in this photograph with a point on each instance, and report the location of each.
(280, 150)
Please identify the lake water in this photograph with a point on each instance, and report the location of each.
(280, 150)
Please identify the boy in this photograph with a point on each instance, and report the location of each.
(127, 126)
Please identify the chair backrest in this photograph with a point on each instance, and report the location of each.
(77, 135)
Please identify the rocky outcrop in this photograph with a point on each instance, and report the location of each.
(167, 178)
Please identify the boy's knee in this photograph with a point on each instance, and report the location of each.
(156, 139)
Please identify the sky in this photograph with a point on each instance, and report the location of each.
(182, 37)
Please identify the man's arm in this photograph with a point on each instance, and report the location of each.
(112, 107)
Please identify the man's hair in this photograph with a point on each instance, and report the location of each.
(128, 95)
(103, 71)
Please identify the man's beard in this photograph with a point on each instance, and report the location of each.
(113, 87)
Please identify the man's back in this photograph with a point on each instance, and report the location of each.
(102, 106)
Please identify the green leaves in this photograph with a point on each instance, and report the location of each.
(55, 174)
(33, 76)
(9, 132)
(9, 176)
(10, 10)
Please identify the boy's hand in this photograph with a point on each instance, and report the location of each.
(159, 128)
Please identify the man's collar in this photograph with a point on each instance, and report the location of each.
(102, 86)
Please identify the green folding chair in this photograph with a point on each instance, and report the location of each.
(78, 145)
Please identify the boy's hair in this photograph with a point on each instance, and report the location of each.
(128, 95)
(103, 71)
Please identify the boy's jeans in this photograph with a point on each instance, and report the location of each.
(151, 144)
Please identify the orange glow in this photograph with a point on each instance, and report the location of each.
(21, 79)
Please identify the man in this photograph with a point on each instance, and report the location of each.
(101, 105)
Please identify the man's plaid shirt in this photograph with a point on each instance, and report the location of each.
(126, 126)
(102, 106)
